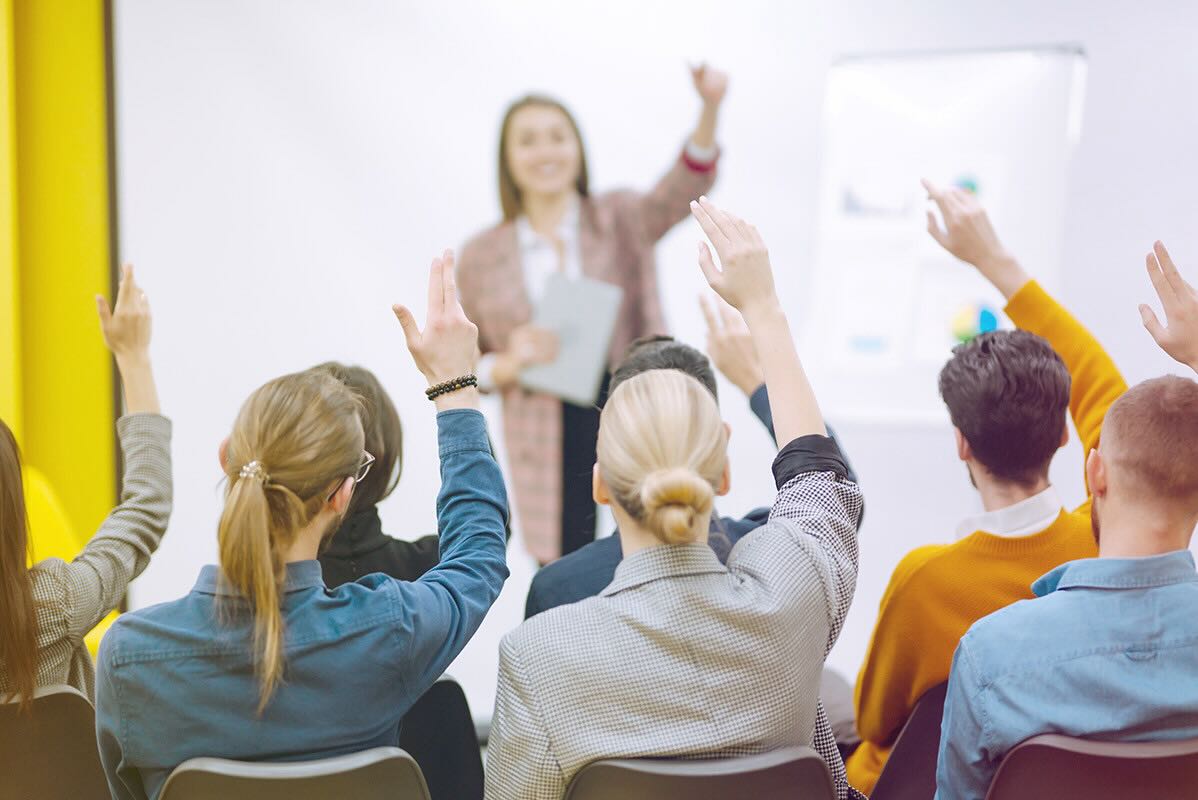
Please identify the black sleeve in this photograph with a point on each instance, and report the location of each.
(812, 453)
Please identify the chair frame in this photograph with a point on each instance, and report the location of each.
(694, 771)
(289, 771)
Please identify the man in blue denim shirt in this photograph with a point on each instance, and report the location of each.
(1108, 650)
(178, 680)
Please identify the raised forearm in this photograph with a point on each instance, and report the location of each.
(792, 401)
(137, 376)
(704, 135)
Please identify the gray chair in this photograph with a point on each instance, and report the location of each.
(50, 753)
(381, 773)
(790, 773)
(1064, 768)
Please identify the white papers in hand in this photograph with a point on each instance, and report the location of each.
(583, 313)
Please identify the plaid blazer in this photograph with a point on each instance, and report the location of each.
(618, 233)
(680, 655)
(73, 597)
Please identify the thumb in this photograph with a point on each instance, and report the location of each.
(707, 265)
(103, 310)
(406, 321)
(1149, 318)
(937, 233)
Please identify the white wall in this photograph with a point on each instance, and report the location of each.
(286, 169)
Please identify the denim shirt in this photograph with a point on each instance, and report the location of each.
(176, 681)
(1108, 650)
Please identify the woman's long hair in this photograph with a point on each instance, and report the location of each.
(294, 442)
(509, 194)
(18, 618)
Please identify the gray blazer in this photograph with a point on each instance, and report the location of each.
(681, 655)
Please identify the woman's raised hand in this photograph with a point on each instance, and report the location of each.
(126, 326)
(744, 278)
(711, 84)
(447, 348)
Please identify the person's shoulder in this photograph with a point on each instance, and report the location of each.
(575, 576)
(599, 556)
(551, 635)
(132, 631)
(481, 246)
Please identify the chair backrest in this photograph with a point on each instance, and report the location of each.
(50, 753)
(793, 773)
(381, 773)
(910, 771)
(438, 731)
(1065, 768)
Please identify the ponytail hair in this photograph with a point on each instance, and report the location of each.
(293, 443)
(18, 616)
(662, 451)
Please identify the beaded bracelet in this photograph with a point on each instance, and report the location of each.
(457, 384)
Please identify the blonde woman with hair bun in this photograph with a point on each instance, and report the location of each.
(682, 655)
(261, 661)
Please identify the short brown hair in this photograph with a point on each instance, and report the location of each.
(509, 193)
(1007, 392)
(384, 433)
(1150, 437)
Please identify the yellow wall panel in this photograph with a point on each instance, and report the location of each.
(63, 229)
(10, 320)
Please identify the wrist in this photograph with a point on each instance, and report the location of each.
(766, 309)
(1004, 272)
(135, 359)
(467, 398)
(750, 383)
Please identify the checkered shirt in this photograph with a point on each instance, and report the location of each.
(682, 656)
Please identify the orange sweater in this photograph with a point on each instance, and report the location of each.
(937, 592)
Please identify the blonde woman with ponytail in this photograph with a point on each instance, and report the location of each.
(261, 661)
(681, 655)
(47, 609)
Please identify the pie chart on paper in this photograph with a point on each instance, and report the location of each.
(973, 320)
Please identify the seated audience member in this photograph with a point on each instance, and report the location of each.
(615, 675)
(1108, 650)
(1007, 394)
(359, 547)
(262, 662)
(46, 610)
(583, 573)
(430, 731)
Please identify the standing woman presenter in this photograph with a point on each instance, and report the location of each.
(553, 224)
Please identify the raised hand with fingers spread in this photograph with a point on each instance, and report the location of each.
(447, 348)
(1179, 338)
(745, 279)
(968, 235)
(730, 345)
(126, 328)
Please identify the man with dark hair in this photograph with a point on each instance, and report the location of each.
(585, 572)
(1118, 632)
(1007, 394)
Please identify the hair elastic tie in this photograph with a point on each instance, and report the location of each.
(254, 470)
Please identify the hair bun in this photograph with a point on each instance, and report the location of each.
(672, 499)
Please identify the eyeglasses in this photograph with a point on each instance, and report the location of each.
(363, 470)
